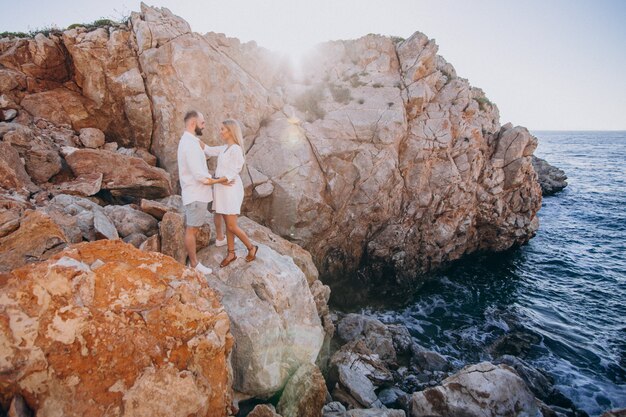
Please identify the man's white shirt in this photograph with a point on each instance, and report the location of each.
(192, 170)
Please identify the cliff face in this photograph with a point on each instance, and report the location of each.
(377, 157)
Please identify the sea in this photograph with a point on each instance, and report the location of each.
(566, 288)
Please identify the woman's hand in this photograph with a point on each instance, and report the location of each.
(220, 180)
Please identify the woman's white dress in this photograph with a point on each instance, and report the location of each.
(230, 160)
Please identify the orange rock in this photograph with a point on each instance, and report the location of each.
(103, 328)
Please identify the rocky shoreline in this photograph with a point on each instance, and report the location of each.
(380, 163)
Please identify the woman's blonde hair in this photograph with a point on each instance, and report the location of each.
(235, 129)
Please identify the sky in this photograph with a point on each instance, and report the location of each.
(547, 64)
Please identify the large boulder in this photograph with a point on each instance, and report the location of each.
(37, 238)
(103, 329)
(304, 394)
(481, 390)
(273, 316)
(122, 175)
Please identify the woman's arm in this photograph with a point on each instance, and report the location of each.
(212, 150)
(220, 180)
(235, 162)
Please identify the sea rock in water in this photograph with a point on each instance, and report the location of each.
(551, 178)
(481, 390)
(273, 317)
(304, 394)
(105, 330)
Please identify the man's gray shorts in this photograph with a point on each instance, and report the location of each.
(196, 213)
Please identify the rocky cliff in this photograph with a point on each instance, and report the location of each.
(377, 158)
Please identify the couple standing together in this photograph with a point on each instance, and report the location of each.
(199, 188)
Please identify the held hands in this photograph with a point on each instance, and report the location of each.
(220, 180)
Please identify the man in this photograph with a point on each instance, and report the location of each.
(195, 183)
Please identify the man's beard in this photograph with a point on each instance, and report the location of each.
(198, 131)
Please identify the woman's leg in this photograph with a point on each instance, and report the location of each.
(219, 229)
(233, 229)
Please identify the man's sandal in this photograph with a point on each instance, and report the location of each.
(226, 261)
(251, 257)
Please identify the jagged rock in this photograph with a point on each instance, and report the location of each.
(139, 153)
(334, 409)
(155, 208)
(40, 57)
(354, 389)
(275, 334)
(83, 185)
(37, 238)
(91, 137)
(152, 244)
(135, 239)
(110, 330)
(61, 107)
(172, 236)
(264, 410)
(75, 213)
(374, 333)
(8, 115)
(41, 156)
(428, 360)
(483, 390)
(13, 176)
(551, 179)
(304, 394)
(112, 81)
(103, 226)
(9, 221)
(392, 397)
(127, 221)
(357, 356)
(122, 175)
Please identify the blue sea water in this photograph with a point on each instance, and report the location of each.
(567, 286)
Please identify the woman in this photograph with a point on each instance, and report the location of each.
(227, 199)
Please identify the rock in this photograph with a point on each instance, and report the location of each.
(172, 236)
(19, 408)
(8, 114)
(264, 410)
(73, 212)
(84, 185)
(139, 153)
(110, 331)
(135, 239)
(9, 221)
(37, 238)
(273, 316)
(122, 175)
(478, 390)
(61, 107)
(103, 226)
(374, 333)
(91, 137)
(375, 413)
(615, 413)
(263, 190)
(127, 221)
(428, 360)
(516, 343)
(155, 208)
(13, 176)
(357, 386)
(392, 397)
(151, 244)
(551, 179)
(110, 146)
(334, 409)
(112, 80)
(357, 356)
(304, 394)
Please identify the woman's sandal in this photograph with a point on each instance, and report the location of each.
(251, 257)
(226, 261)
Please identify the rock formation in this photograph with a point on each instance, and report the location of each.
(551, 178)
(379, 158)
(104, 329)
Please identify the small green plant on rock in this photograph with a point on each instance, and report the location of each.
(309, 103)
(483, 102)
